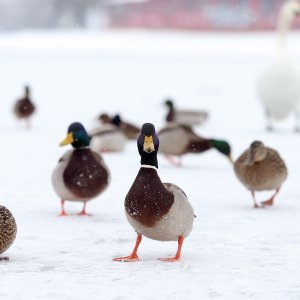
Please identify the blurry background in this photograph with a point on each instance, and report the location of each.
(180, 14)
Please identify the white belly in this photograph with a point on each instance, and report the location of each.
(177, 222)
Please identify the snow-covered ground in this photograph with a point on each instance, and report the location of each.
(234, 251)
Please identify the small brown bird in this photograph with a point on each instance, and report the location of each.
(8, 230)
(260, 168)
(24, 108)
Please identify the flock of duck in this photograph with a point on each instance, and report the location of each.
(157, 210)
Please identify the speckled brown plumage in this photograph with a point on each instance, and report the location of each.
(84, 176)
(148, 200)
(267, 174)
(8, 229)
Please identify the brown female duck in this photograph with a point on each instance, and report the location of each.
(177, 140)
(81, 174)
(260, 168)
(130, 130)
(8, 230)
(159, 211)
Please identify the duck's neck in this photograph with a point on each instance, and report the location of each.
(149, 159)
(284, 24)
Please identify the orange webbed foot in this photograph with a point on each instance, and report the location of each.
(130, 258)
(63, 214)
(83, 214)
(170, 259)
(267, 203)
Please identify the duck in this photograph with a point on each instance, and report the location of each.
(159, 211)
(108, 137)
(278, 86)
(81, 174)
(177, 140)
(8, 231)
(130, 130)
(184, 117)
(260, 168)
(24, 107)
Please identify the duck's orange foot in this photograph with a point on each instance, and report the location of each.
(130, 258)
(170, 259)
(83, 213)
(5, 258)
(267, 202)
(63, 214)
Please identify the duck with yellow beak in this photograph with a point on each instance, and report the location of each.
(159, 211)
(81, 174)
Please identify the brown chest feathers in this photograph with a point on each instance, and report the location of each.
(24, 108)
(84, 176)
(8, 229)
(148, 201)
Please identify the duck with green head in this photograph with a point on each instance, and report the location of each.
(81, 174)
(177, 140)
(159, 211)
(184, 117)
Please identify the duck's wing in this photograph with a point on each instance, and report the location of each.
(190, 117)
(170, 186)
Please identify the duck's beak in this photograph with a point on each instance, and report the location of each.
(68, 140)
(230, 159)
(148, 144)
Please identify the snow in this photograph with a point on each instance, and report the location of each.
(234, 251)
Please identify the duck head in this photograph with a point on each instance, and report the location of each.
(257, 153)
(169, 103)
(148, 144)
(76, 136)
(223, 147)
(289, 11)
(116, 120)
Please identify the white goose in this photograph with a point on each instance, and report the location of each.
(278, 87)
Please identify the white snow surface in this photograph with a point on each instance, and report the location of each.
(233, 252)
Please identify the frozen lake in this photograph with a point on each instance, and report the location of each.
(234, 251)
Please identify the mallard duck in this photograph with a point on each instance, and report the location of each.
(81, 174)
(159, 211)
(278, 87)
(8, 230)
(24, 108)
(107, 138)
(260, 168)
(184, 117)
(177, 140)
(130, 130)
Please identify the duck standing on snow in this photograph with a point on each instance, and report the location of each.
(184, 117)
(159, 211)
(8, 230)
(108, 137)
(24, 108)
(278, 87)
(260, 168)
(177, 140)
(81, 174)
(131, 131)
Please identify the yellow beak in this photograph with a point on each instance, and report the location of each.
(68, 140)
(148, 144)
